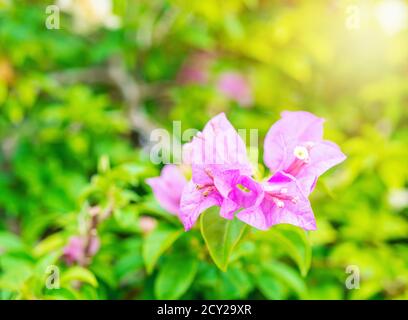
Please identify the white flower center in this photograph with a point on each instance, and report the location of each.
(301, 153)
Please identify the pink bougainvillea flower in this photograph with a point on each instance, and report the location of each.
(295, 145)
(283, 202)
(236, 87)
(221, 174)
(218, 148)
(74, 251)
(196, 69)
(168, 187)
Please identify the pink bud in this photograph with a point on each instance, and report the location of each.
(74, 251)
(195, 70)
(147, 224)
(234, 86)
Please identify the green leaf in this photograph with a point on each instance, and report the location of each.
(15, 272)
(234, 284)
(285, 275)
(59, 294)
(292, 241)
(221, 236)
(270, 287)
(158, 241)
(175, 276)
(49, 244)
(127, 217)
(9, 241)
(129, 263)
(79, 274)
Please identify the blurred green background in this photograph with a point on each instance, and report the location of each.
(77, 104)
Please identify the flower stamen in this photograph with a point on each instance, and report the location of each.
(301, 153)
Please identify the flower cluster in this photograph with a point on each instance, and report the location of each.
(222, 175)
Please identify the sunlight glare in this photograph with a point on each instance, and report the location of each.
(392, 16)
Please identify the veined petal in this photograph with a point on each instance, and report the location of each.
(323, 156)
(194, 201)
(224, 181)
(220, 148)
(298, 214)
(304, 126)
(294, 128)
(228, 208)
(255, 217)
(283, 202)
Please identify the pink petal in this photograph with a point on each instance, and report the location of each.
(323, 156)
(246, 192)
(187, 155)
(224, 181)
(255, 217)
(168, 187)
(194, 201)
(298, 213)
(294, 128)
(241, 190)
(216, 149)
(228, 208)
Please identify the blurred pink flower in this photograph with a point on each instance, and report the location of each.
(195, 70)
(74, 251)
(168, 187)
(147, 224)
(234, 86)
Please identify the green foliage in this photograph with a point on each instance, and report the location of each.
(221, 236)
(156, 243)
(293, 242)
(175, 276)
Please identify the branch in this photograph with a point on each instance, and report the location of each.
(132, 92)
